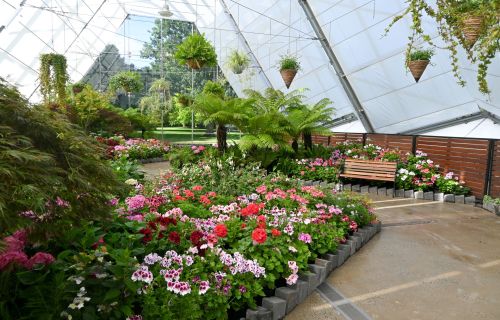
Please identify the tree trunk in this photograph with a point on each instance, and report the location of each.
(295, 145)
(143, 131)
(307, 140)
(221, 137)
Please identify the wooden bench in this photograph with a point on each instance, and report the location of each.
(370, 170)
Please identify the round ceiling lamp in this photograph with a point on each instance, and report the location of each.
(165, 11)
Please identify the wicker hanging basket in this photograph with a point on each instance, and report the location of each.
(288, 75)
(417, 68)
(472, 29)
(194, 64)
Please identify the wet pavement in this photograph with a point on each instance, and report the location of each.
(431, 260)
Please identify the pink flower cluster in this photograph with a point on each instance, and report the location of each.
(293, 277)
(197, 150)
(136, 202)
(238, 264)
(305, 237)
(143, 274)
(14, 253)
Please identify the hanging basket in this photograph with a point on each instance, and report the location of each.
(472, 29)
(288, 75)
(194, 64)
(238, 69)
(417, 68)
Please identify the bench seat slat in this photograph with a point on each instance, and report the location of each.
(369, 170)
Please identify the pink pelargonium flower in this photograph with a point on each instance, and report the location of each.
(136, 217)
(15, 257)
(136, 202)
(40, 258)
(13, 244)
(305, 237)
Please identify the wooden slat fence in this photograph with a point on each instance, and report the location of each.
(476, 161)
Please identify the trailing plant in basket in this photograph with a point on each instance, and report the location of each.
(472, 24)
(127, 81)
(53, 78)
(196, 51)
(417, 61)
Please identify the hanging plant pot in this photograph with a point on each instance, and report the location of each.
(417, 68)
(288, 75)
(194, 64)
(472, 29)
(238, 69)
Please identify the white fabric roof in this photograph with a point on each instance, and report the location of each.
(373, 64)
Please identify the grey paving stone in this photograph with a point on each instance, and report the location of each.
(259, 314)
(276, 305)
(372, 190)
(333, 258)
(449, 198)
(325, 263)
(390, 193)
(352, 243)
(312, 280)
(419, 194)
(439, 196)
(409, 194)
(347, 187)
(460, 199)
(382, 191)
(400, 193)
(364, 189)
(316, 183)
(470, 200)
(429, 195)
(320, 270)
(289, 295)
(302, 288)
(356, 188)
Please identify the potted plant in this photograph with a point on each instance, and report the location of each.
(417, 61)
(471, 20)
(196, 52)
(238, 61)
(289, 65)
(127, 81)
(53, 78)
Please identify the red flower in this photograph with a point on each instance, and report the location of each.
(189, 193)
(275, 232)
(196, 237)
(148, 235)
(243, 225)
(165, 221)
(259, 235)
(98, 243)
(174, 237)
(197, 188)
(221, 230)
(261, 218)
(251, 209)
(204, 200)
(212, 238)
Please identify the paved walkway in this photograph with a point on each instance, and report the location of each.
(155, 169)
(431, 261)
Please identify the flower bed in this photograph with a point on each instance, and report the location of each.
(134, 149)
(201, 243)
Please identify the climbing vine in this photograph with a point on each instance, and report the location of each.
(53, 78)
(471, 24)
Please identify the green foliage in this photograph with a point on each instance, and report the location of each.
(447, 184)
(238, 61)
(196, 47)
(126, 169)
(87, 104)
(138, 120)
(43, 156)
(53, 78)
(214, 88)
(488, 199)
(128, 81)
(449, 17)
(287, 62)
(421, 55)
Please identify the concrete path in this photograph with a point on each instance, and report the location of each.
(155, 169)
(431, 261)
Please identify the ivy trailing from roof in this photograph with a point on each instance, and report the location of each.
(53, 78)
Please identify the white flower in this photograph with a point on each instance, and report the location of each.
(131, 182)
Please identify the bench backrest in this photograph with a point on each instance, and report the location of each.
(370, 170)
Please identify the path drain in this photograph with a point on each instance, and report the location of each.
(406, 223)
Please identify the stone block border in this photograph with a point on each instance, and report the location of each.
(492, 208)
(287, 298)
(152, 160)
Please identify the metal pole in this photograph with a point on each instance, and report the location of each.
(351, 94)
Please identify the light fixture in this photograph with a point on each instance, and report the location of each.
(165, 11)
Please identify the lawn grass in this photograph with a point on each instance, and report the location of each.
(180, 135)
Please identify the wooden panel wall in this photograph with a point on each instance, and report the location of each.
(467, 158)
(338, 137)
(402, 143)
(495, 174)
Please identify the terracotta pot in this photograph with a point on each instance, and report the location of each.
(288, 75)
(417, 68)
(194, 64)
(472, 29)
